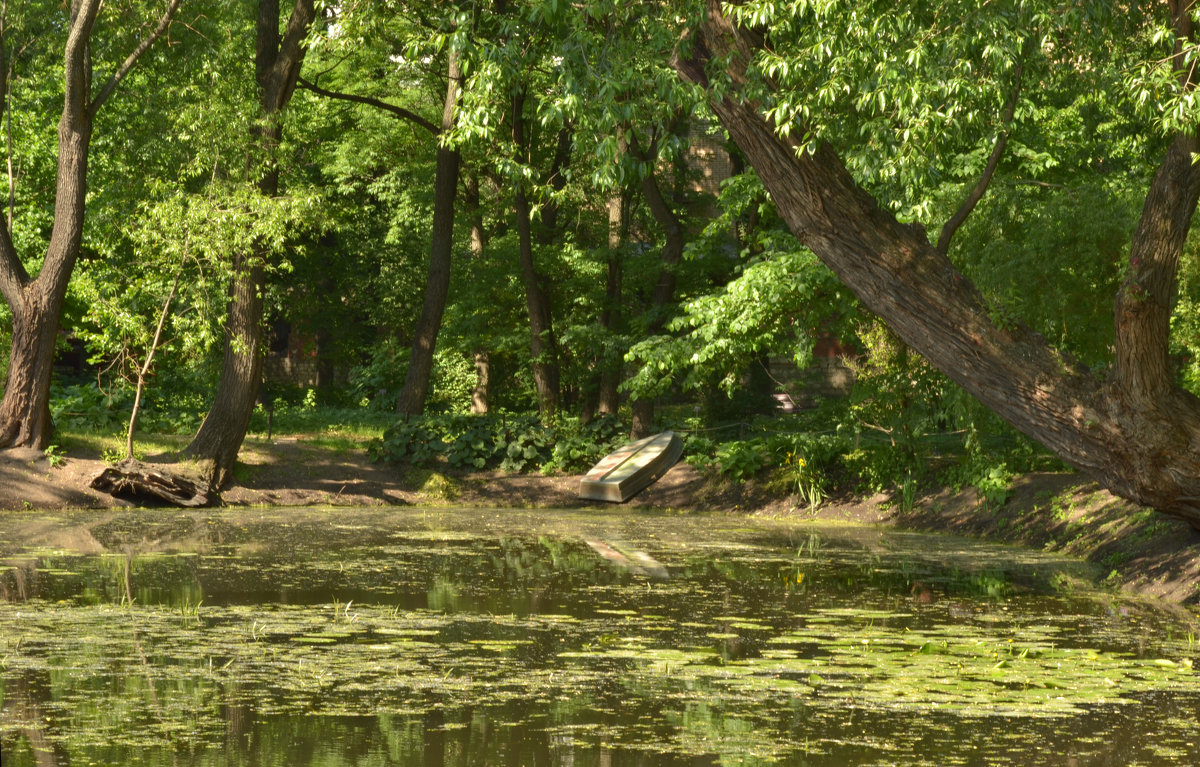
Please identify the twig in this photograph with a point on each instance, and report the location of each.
(141, 381)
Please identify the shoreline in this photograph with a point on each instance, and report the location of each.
(1132, 549)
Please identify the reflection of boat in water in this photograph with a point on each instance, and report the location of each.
(629, 558)
(622, 473)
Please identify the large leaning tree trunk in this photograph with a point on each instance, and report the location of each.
(437, 285)
(278, 60)
(1135, 431)
(36, 303)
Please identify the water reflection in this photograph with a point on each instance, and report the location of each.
(454, 639)
(26, 696)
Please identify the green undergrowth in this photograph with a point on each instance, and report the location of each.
(93, 422)
(85, 408)
(811, 456)
(111, 446)
(867, 443)
(509, 442)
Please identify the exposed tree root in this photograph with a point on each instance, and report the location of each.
(135, 480)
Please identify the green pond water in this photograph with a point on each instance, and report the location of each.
(422, 637)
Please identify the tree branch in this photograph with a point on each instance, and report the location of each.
(286, 69)
(163, 23)
(395, 111)
(74, 137)
(77, 78)
(989, 170)
(893, 268)
(145, 369)
(660, 209)
(12, 272)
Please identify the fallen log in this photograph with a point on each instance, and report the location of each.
(135, 480)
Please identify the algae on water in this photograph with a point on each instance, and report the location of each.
(385, 637)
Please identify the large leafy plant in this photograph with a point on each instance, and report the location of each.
(514, 443)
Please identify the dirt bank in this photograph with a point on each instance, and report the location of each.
(1132, 548)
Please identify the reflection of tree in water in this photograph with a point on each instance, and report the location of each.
(26, 694)
(18, 580)
(156, 579)
(473, 738)
(518, 733)
(513, 574)
(239, 719)
(530, 599)
(435, 738)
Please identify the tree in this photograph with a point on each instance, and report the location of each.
(608, 375)
(624, 106)
(543, 345)
(664, 288)
(780, 295)
(36, 303)
(420, 363)
(482, 359)
(1133, 429)
(412, 43)
(277, 59)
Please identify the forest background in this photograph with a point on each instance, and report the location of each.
(487, 233)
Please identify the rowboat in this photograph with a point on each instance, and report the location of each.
(623, 473)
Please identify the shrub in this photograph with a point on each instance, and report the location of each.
(85, 407)
(412, 440)
(513, 443)
(578, 447)
(739, 461)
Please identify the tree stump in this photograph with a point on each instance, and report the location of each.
(139, 481)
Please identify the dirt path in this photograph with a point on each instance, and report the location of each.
(1131, 548)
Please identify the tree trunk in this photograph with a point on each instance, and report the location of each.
(643, 418)
(483, 383)
(1136, 433)
(326, 368)
(220, 436)
(609, 379)
(134, 480)
(36, 304)
(28, 702)
(664, 288)
(25, 410)
(542, 345)
(420, 362)
(483, 360)
(556, 179)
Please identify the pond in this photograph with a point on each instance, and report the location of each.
(477, 637)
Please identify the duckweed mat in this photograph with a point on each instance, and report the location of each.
(576, 638)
